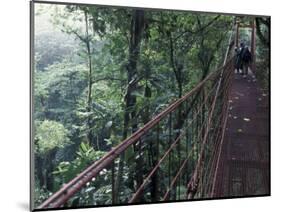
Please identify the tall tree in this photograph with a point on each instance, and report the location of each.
(136, 31)
(263, 26)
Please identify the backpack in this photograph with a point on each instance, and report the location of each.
(246, 55)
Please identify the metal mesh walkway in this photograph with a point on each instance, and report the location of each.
(244, 162)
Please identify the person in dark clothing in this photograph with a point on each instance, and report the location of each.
(246, 58)
(238, 64)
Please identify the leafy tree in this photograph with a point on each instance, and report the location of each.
(262, 51)
(49, 137)
(85, 155)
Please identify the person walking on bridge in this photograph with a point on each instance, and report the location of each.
(238, 63)
(246, 58)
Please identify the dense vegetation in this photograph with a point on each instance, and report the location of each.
(263, 51)
(102, 73)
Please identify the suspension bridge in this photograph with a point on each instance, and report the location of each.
(213, 142)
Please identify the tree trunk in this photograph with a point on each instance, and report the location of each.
(39, 162)
(90, 80)
(49, 168)
(136, 31)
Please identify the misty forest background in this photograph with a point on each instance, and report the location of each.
(102, 73)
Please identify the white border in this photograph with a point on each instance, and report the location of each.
(14, 111)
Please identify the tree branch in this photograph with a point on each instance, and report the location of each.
(172, 58)
(107, 78)
(200, 29)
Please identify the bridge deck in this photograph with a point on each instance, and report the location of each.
(244, 162)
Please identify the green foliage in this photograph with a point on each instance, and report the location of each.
(40, 194)
(85, 155)
(50, 135)
(262, 56)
